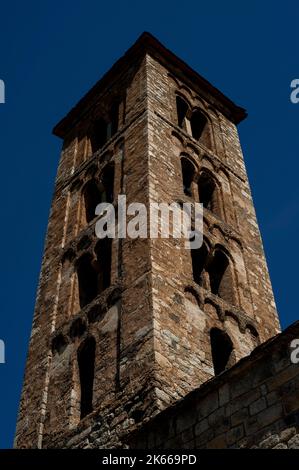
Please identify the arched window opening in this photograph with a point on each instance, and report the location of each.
(99, 134)
(198, 123)
(104, 253)
(96, 192)
(199, 257)
(107, 184)
(207, 191)
(86, 362)
(221, 279)
(188, 171)
(221, 347)
(182, 108)
(87, 280)
(114, 119)
(92, 197)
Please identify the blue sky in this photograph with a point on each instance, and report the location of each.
(52, 52)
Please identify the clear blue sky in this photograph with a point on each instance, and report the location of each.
(51, 53)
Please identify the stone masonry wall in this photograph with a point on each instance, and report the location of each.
(120, 319)
(183, 311)
(255, 404)
(151, 325)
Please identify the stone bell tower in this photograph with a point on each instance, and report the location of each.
(125, 327)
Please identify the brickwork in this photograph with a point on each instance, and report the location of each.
(152, 322)
(255, 404)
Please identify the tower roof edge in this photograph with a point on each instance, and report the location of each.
(147, 43)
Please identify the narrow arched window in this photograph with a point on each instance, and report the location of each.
(199, 257)
(95, 192)
(114, 116)
(99, 134)
(221, 347)
(87, 280)
(92, 196)
(182, 108)
(107, 183)
(188, 172)
(208, 192)
(104, 252)
(221, 277)
(86, 362)
(198, 123)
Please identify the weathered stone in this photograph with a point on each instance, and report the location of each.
(293, 443)
(151, 319)
(235, 434)
(202, 426)
(287, 433)
(280, 446)
(257, 406)
(270, 442)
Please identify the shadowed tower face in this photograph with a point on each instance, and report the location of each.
(124, 327)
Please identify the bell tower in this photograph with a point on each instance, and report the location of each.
(124, 327)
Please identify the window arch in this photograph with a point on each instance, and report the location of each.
(114, 119)
(107, 183)
(99, 134)
(199, 259)
(188, 175)
(208, 192)
(86, 363)
(182, 109)
(92, 197)
(97, 191)
(94, 275)
(103, 252)
(198, 123)
(221, 276)
(221, 348)
(194, 121)
(201, 128)
(87, 280)
(105, 127)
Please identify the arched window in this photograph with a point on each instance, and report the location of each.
(104, 252)
(86, 361)
(107, 183)
(95, 192)
(92, 196)
(222, 347)
(114, 118)
(221, 277)
(199, 257)
(99, 134)
(198, 123)
(188, 172)
(182, 108)
(104, 129)
(208, 192)
(87, 280)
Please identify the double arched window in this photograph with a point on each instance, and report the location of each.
(104, 128)
(204, 184)
(194, 122)
(99, 190)
(214, 272)
(94, 274)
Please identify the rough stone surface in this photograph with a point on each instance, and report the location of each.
(152, 324)
(279, 432)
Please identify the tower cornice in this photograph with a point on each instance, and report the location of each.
(148, 44)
